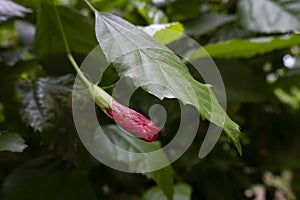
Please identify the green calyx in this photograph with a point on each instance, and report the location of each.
(102, 98)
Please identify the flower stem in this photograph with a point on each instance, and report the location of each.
(79, 72)
(102, 99)
(62, 31)
(90, 6)
(68, 51)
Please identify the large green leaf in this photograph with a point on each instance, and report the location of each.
(49, 40)
(163, 177)
(181, 192)
(46, 107)
(157, 69)
(245, 48)
(270, 15)
(11, 142)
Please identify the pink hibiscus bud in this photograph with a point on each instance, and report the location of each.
(130, 120)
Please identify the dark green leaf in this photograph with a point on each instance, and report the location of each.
(157, 69)
(180, 10)
(49, 40)
(245, 48)
(164, 180)
(247, 86)
(270, 15)
(181, 192)
(44, 178)
(108, 5)
(41, 100)
(206, 23)
(11, 142)
(290, 79)
(46, 107)
(163, 177)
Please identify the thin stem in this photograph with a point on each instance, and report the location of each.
(62, 31)
(90, 5)
(102, 99)
(79, 72)
(68, 51)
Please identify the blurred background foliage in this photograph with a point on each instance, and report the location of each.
(255, 44)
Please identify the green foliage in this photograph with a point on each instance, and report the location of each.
(179, 10)
(151, 14)
(206, 23)
(245, 48)
(163, 177)
(43, 99)
(165, 33)
(182, 192)
(269, 16)
(255, 45)
(158, 70)
(247, 86)
(46, 178)
(81, 40)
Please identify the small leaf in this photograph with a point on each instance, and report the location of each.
(158, 70)
(181, 192)
(9, 9)
(150, 13)
(269, 16)
(165, 33)
(11, 142)
(245, 48)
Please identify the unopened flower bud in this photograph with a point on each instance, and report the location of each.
(130, 120)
